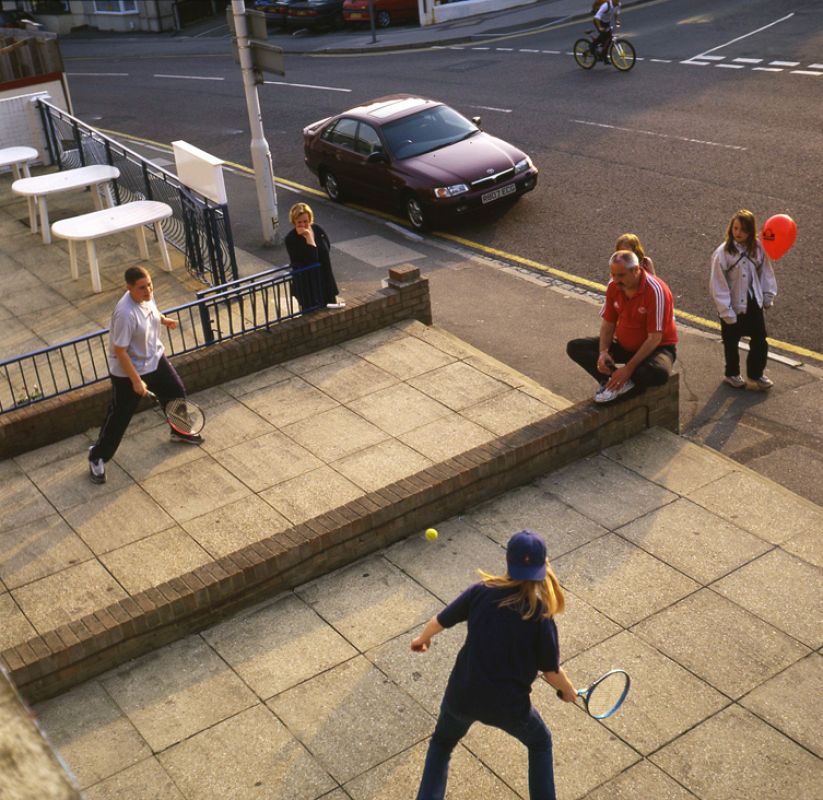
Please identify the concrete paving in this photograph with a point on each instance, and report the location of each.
(690, 578)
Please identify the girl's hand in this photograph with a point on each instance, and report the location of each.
(420, 645)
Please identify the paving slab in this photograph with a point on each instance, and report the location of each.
(585, 755)
(741, 756)
(310, 494)
(349, 378)
(381, 464)
(591, 487)
(260, 463)
(748, 652)
(458, 385)
(399, 409)
(446, 437)
(117, 519)
(15, 628)
(68, 595)
(621, 580)
(787, 701)
(171, 694)
(38, 549)
(288, 401)
(641, 780)
(203, 486)
(508, 411)
(250, 755)
(91, 733)
(236, 525)
(693, 540)
(670, 460)
(278, 645)
(665, 700)
(369, 602)
(352, 718)
(761, 585)
(759, 506)
(334, 434)
(401, 356)
(532, 508)
(396, 778)
(154, 559)
(146, 780)
(446, 566)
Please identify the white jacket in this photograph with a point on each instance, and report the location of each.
(733, 274)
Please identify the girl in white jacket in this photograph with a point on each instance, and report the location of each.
(742, 284)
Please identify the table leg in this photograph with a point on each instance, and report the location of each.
(96, 199)
(75, 272)
(94, 268)
(161, 241)
(109, 194)
(141, 242)
(44, 219)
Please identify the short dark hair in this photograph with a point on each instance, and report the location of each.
(133, 274)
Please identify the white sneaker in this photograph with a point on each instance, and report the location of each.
(605, 395)
(97, 470)
(735, 381)
(335, 305)
(763, 383)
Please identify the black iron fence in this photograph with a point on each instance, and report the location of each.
(198, 227)
(222, 312)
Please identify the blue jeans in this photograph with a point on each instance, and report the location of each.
(452, 727)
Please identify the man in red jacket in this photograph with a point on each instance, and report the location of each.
(637, 330)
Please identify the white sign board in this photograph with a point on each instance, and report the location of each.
(200, 171)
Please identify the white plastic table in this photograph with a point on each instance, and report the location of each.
(18, 159)
(41, 186)
(129, 216)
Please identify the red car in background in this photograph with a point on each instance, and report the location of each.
(386, 12)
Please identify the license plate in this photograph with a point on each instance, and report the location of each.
(300, 13)
(490, 197)
(357, 16)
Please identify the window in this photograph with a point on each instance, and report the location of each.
(343, 133)
(115, 6)
(368, 141)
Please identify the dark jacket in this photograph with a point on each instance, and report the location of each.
(315, 287)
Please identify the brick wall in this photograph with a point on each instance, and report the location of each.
(49, 664)
(49, 421)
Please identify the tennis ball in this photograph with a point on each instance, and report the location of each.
(431, 534)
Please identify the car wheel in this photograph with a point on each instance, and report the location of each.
(332, 187)
(414, 212)
(382, 19)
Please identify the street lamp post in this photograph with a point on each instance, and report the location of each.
(260, 152)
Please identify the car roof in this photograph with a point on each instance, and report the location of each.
(391, 107)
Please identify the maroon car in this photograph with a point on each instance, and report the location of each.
(417, 154)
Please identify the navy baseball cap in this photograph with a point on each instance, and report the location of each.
(526, 557)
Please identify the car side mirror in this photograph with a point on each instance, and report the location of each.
(477, 121)
(377, 157)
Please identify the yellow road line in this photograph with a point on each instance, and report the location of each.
(492, 251)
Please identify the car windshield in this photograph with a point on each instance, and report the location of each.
(426, 131)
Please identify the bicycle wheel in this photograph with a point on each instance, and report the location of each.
(621, 54)
(584, 54)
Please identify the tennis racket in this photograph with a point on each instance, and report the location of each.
(182, 414)
(604, 696)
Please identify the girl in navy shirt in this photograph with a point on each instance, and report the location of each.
(511, 637)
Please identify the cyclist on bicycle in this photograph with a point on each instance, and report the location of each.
(605, 17)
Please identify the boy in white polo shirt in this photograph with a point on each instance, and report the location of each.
(137, 364)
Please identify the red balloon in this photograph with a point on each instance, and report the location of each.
(778, 235)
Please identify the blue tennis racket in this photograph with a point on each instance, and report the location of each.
(602, 697)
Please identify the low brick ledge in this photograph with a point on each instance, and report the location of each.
(49, 664)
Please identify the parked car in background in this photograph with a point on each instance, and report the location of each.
(276, 11)
(315, 14)
(417, 154)
(386, 12)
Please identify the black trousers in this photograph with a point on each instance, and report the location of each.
(652, 371)
(753, 325)
(164, 382)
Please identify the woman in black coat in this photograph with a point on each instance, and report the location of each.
(308, 244)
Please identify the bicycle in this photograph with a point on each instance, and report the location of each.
(617, 51)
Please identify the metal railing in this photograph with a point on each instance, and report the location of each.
(198, 227)
(219, 313)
